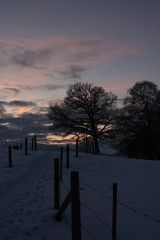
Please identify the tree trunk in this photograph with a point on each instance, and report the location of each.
(95, 138)
(96, 145)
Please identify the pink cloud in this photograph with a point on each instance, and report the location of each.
(39, 61)
(55, 53)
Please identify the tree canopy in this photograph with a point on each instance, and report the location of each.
(86, 110)
(139, 121)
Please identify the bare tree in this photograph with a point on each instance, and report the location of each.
(86, 110)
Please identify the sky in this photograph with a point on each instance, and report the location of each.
(46, 45)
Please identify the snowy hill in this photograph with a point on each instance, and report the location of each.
(26, 199)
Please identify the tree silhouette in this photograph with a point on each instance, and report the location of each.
(139, 121)
(2, 110)
(86, 110)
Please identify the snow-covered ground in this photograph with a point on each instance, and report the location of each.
(26, 196)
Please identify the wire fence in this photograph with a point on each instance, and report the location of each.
(106, 196)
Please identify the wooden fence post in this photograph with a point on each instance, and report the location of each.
(93, 148)
(86, 142)
(114, 212)
(10, 156)
(63, 207)
(77, 147)
(26, 146)
(68, 157)
(75, 206)
(61, 163)
(35, 143)
(32, 144)
(56, 184)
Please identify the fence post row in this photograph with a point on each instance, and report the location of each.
(56, 184)
(75, 206)
(32, 144)
(26, 146)
(35, 143)
(114, 212)
(61, 163)
(68, 157)
(10, 156)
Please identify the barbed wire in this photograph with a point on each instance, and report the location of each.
(141, 213)
(65, 174)
(99, 218)
(96, 190)
(88, 232)
(124, 204)
(146, 215)
(82, 227)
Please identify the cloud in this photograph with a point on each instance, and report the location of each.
(39, 60)
(15, 91)
(50, 54)
(18, 103)
(8, 91)
(30, 53)
(33, 67)
(49, 87)
(73, 72)
(22, 103)
(18, 127)
(31, 58)
(11, 89)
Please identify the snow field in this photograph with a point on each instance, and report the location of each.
(26, 199)
(138, 196)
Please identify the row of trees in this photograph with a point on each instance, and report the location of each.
(90, 111)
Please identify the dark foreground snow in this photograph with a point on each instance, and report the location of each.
(26, 197)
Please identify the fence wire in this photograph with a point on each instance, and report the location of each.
(121, 203)
(146, 215)
(96, 190)
(88, 232)
(100, 219)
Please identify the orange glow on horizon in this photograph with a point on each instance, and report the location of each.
(58, 139)
(21, 111)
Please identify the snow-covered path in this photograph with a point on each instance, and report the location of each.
(25, 204)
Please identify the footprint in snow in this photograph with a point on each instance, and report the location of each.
(21, 210)
(36, 200)
(44, 237)
(45, 220)
(27, 233)
(20, 220)
(35, 227)
(11, 221)
(29, 212)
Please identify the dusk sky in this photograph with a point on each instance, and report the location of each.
(45, 45)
